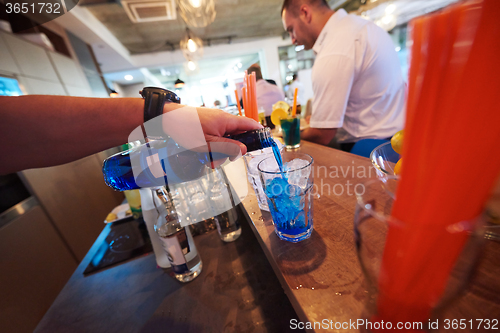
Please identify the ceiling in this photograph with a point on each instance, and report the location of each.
(235, 20)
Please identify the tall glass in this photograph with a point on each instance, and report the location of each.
(372, 225)
(289, 195)
(134, 201)
(252, 159)
(223, 204)
(291, 132)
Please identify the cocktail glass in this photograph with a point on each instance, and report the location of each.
(252, 159)
(289, 195)
(373, 225)
(291, 132)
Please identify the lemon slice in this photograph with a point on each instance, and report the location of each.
(277, 115)
(111, 217)
(397, 168)
(281, 105)
(397, 141)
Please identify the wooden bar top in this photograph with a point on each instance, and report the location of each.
(237, 290)
(322, 276)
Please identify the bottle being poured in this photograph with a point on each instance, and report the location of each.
(162, 161)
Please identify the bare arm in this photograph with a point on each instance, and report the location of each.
(323, 136)
(39, 130)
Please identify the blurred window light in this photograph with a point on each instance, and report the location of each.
(299, 48)
(128, 77)
(390, 9)
(234, 76)
(191, 65)
(240, 65)
(387, 19)
(388, 22)
(213, 80)
(398, 48)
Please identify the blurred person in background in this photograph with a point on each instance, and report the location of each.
(301, 101)
(291, 90)
(359, 91)
(267, 93)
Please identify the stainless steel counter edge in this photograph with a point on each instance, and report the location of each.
(15, 211)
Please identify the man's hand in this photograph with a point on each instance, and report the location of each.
(216, 124)
(203, 130)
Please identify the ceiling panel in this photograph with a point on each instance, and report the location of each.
(238, 19)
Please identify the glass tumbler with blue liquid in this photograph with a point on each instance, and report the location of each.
(291, 132)
(289, 194)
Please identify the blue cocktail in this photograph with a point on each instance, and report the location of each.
(289, 195)
(291, 132)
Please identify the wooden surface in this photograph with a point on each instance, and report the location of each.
(75, 198)
(35, 266)
(322, 276)
(237, 291)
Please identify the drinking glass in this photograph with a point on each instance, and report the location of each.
(289, 195)
(225, 213)
(197, 200)
(134, 201)
(291, 132)
(252, 159)
(372, 227)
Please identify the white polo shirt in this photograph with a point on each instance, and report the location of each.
(357, 80)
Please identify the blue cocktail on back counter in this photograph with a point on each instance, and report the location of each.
(289, 195)
(291, 132)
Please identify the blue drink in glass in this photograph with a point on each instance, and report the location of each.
(289, 195)
(291, 132)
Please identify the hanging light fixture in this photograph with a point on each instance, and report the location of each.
(191, 46)
(195, 3)
(197, 13)
(191, 67)
(179, 84)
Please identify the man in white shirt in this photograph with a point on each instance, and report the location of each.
(267, 93)
(357, 80)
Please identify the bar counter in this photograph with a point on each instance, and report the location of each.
(240, 287)
(322, 276)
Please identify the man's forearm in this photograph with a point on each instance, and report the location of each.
(38, 131)
(322, 136)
